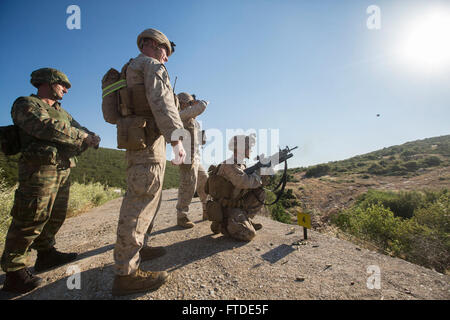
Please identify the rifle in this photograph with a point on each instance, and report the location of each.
(277, 158)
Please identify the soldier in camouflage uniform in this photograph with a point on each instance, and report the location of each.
(50, 139)
(240, 195)
(192, 174)
(145, 171)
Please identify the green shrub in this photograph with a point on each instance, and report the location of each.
(423, 239)
(6, 203)
(431, 161)
(86, 196)
(317, 171)
(402, 204)
(280, 214)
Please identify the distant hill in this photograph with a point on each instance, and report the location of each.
(106, 166)
(408, 159)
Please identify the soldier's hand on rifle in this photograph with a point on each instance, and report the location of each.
(180, 153)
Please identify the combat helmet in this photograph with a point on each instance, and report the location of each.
(159, 37)
(49, 75)
(185, 97)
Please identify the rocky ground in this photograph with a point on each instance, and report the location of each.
(277, 264)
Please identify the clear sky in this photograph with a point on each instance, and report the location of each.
(311, 69)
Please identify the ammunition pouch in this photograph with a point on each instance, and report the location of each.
(131, 133)
(40, 154)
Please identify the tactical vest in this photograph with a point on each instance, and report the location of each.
(136, 125)
(221, 191)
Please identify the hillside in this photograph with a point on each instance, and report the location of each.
(106, 166)
(277, 264)
(404, 175)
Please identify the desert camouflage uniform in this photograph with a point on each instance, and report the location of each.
(50, 139)
(192, 175)
(238, 222)
(145, 170)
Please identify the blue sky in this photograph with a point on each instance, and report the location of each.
(311, 69)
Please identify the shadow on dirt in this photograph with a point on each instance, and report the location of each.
(96, 283)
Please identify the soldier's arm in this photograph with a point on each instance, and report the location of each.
(192, 111)
(239, 178)
(36, 122)
(160, 98)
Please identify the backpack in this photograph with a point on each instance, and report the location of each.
(10, 140)
(115, 95)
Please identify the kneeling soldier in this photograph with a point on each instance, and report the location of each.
(235, 197)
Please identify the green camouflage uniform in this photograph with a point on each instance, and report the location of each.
(50, 140)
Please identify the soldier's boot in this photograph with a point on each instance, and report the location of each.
(224, 230)
(149, 253)
(140, 281)
(205, 215)
(21, 281)
(215, 227)
(185, 222)
(52, 258)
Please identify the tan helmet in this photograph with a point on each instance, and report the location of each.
(49, 75)
(185, 97)
(159, 37)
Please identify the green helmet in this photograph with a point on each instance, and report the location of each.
(49, 75)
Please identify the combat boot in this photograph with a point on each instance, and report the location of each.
(140, 281)
(215, 227)
(149, 253)
(52, 258)
(20, 281)
(185, 223)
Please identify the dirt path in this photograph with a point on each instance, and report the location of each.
(275, 265)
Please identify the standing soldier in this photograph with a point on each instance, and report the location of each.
(50, 139)
(192, 175)
(236, 196)
(152, 99)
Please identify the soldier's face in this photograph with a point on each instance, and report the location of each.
(161, 54)
(59, 90)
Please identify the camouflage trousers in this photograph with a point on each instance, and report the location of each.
(192, 178)
(39, 211)
(239, 225)
(137, 213)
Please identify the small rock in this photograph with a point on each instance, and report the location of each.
(202, 286)
(352, 283)
(258, 249)
(328, 266)
(315, 245)
(359, 249)
(300, 279)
